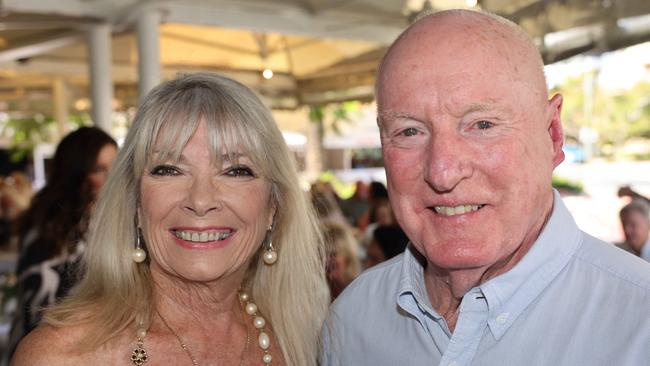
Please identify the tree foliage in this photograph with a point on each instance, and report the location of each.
(617, 115)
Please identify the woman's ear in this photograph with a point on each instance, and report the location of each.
(271, 221)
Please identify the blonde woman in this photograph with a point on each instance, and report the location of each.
(203, 248)
(343, 264)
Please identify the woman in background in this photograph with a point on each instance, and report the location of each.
(52, 232)
(387, 242)
(343, 264)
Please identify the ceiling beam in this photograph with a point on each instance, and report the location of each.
(33, 47)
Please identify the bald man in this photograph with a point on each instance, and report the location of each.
(497, 272)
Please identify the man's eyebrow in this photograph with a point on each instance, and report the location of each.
(478, 107)
(388, 116)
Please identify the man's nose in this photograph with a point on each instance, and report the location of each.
(203, 196)
(447, 162)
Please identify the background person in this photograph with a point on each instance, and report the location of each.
(377, 194)
(354, 207)
(15, 196)
(202, 248)
(627, 191)
(497, 272)
(343, 264)
(635, 220)
(388, 241)
(52, 232)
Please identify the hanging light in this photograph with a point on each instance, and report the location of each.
(267, 73)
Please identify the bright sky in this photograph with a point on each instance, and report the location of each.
(618, 70)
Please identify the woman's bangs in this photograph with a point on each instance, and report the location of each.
(232, 136)
(172, 134)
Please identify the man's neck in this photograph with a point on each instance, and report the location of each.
(446, 287)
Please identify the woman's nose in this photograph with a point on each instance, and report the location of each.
(203, 196)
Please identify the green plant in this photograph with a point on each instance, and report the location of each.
(564, 184)
(26, 133)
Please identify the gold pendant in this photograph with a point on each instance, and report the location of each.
(139, 354)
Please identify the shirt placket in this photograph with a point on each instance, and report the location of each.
(470, 327)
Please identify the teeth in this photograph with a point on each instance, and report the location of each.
(202, 236)
(456, 210)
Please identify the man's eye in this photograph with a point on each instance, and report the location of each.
(409, 132)
(240, 171)
(164, 170)
(484, 125)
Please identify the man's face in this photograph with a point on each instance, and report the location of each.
(469, 147)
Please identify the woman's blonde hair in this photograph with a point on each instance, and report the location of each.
(340, 240)
(116, 293)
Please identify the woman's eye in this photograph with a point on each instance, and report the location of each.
(165, 170)
(483, 125)
(409, 132)
(240, 171)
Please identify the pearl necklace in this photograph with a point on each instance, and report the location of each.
(139, 355)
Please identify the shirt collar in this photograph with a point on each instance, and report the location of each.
(510, 293)
(412, 287)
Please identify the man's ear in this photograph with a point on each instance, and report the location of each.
(555, 130)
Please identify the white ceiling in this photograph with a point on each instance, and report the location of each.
(317, 47)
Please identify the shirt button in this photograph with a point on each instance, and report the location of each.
(453, 363)
(502, 318)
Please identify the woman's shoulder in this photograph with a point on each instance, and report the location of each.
(49, 345)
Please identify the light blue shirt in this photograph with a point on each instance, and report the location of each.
(573, 300)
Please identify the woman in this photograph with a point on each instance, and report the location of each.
(206, 190)
(343, 264)
(52, 232)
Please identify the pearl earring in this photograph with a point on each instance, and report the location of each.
(138, 254)
(270, 255)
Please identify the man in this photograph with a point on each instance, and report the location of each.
(497, 273)
(635, 219)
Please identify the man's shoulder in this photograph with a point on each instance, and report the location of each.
(613, 263)
(363, 316)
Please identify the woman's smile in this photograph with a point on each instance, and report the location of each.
(203, 238)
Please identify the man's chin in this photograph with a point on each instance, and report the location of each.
(452, 256)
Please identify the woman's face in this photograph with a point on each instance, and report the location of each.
(98, 174)
(202, 222)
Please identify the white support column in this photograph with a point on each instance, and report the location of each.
(101, 83)
(60, 98)
(148, 50)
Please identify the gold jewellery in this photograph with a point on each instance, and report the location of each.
(139, 355)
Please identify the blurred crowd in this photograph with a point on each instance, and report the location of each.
(360, 231)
